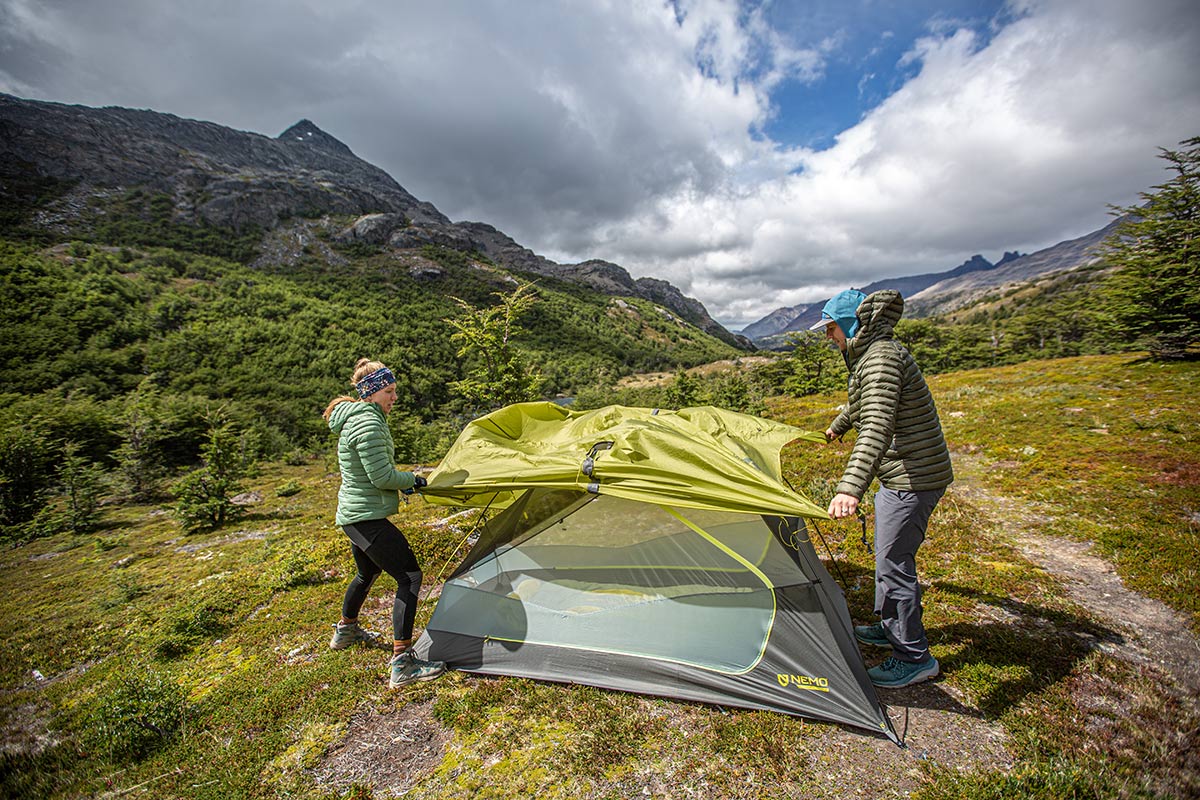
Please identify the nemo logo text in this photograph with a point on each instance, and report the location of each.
(803, 682)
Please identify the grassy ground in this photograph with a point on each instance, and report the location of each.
(114, 640)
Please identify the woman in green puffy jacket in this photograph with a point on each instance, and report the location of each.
(370, 491)
(900, 442)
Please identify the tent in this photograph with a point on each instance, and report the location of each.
(657, 552)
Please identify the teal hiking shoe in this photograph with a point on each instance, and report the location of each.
(407, 668)
(872, 635)
(894, 673)
(346, 635)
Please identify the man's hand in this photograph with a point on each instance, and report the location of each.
(842, 506)
(830, 435)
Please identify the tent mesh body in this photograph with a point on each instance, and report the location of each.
(712, 606)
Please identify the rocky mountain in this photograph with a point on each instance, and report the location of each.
(959, 291)
(797, 318)
(243, 181)
(943, 292)
(779, 321)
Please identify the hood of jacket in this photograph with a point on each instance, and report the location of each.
(344, 412)
(877, 316)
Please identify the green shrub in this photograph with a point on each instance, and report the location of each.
(297, 568)
(26, 474)
(82, 482)
(288, 489)
(205, 617)
(140, 712)
(419, 442)
(139, 460)
(127, 586)
(204, 500)
(106, 543)
(297, 457)
(205, 496)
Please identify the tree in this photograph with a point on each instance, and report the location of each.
(82, 482)
(814, 365)
(1153, 299)
(733, 391)
(138, 459)
(26, 473)
(205, 496)
(684, 391)
(499, 374)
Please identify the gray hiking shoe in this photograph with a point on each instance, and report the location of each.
(407, 668)
(894, 673)
(346, 635)
(872, 635)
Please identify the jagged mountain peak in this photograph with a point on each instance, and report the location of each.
(931, 293)
(306, 132)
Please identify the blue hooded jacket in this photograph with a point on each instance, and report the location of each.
(841, 309)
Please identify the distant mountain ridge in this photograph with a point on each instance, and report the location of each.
(794, 318)
(943, 292)
(238, 179)
(956, 292)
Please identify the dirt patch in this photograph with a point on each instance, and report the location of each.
(388, 751)
(229, 538)
(1150, 633)
(25, 731)
(1179, 474)
(644, 379)
(937, 729)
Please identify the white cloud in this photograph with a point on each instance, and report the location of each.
(631, 130)
(1018, 144)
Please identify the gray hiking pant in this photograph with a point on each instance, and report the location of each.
(900, 521)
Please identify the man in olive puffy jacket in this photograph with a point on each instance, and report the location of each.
(900, 442)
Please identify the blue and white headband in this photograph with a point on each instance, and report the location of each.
(379, 379)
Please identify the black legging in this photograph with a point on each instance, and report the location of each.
(387, 551)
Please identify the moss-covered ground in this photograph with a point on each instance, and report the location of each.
(143, 662)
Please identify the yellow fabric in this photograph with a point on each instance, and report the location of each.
(705, 457)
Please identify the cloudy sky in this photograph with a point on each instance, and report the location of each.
(755, 154)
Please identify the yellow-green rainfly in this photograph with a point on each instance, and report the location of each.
(703, 457)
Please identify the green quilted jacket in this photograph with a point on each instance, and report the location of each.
(370, 480)
(900, 438)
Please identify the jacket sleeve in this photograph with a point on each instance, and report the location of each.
(842, 422)
(880, 379)
(371, 445)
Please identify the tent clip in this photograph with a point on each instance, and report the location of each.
(863, 519)
(589, 463)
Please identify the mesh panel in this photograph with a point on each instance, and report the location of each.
(619, 576)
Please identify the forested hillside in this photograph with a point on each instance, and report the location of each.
(163, 279)
(102, 322)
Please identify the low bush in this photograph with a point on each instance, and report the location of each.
(137, 714)
(205, 617)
